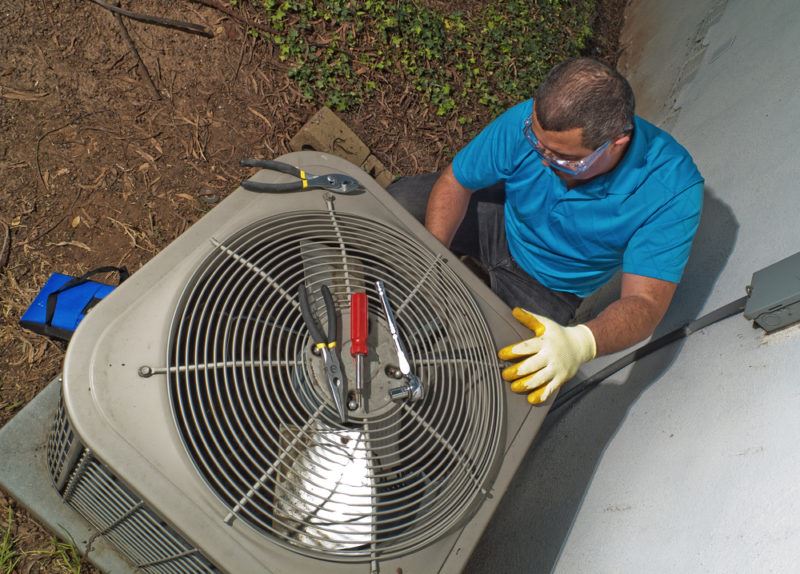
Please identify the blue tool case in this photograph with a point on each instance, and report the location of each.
(64, 301)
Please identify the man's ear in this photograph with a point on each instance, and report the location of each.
(622, 140)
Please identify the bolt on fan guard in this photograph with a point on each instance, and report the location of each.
(256, 416)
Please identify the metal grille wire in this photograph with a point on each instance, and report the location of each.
(114, 510)
(258, 424)
(148, 542)
(59, 444)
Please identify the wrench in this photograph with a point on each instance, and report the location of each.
(413, 389)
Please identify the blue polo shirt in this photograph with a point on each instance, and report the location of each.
(641, 216)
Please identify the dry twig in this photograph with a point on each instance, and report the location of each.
(5, 246)
(133, 234)
(189, 27)
(142, 68)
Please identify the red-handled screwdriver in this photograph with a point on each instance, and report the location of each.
(359, 325)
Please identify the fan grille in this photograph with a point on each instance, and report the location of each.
(252, 406)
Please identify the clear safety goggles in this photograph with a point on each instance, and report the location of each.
(568, 166)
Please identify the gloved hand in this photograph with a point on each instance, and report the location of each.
(552, 357)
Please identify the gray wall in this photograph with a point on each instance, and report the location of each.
(688, 460)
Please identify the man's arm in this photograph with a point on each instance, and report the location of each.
(447, 206)
(634, 316)
(555, 353)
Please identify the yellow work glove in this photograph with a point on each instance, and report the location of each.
(552, 357)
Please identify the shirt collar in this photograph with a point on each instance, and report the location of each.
(626, 175)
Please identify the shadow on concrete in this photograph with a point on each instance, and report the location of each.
(533, 520)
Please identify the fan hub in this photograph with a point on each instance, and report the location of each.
(381, 372)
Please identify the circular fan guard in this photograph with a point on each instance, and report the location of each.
(252, 408)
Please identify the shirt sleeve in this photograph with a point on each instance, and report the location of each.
(660, 248)
(493, 154)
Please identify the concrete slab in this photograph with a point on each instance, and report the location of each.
(662, 48)
(326, 132)
(24, 475)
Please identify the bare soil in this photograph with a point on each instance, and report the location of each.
(96, 170)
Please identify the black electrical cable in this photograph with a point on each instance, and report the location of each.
(729, 310)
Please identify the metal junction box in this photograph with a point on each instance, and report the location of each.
(775, 295)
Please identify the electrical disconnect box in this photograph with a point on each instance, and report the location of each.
(774, 291)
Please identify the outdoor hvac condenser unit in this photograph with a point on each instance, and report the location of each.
(197, 432)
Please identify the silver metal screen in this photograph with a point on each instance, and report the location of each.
(252, 406)
(118, 514)
(62, 449)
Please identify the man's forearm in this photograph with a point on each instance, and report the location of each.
(634, 316)
(447, 206)
(624, 323)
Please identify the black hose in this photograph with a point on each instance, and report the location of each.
(732, 308)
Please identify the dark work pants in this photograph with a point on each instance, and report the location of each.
(482, 236)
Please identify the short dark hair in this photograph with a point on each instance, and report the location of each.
(585, 93)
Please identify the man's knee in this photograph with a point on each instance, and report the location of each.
(412, 193)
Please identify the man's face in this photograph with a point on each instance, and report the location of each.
(567, 148)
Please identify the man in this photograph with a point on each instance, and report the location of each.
(553, 197)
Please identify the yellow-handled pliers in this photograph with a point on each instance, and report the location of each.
(335, 182)
(327, 345)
